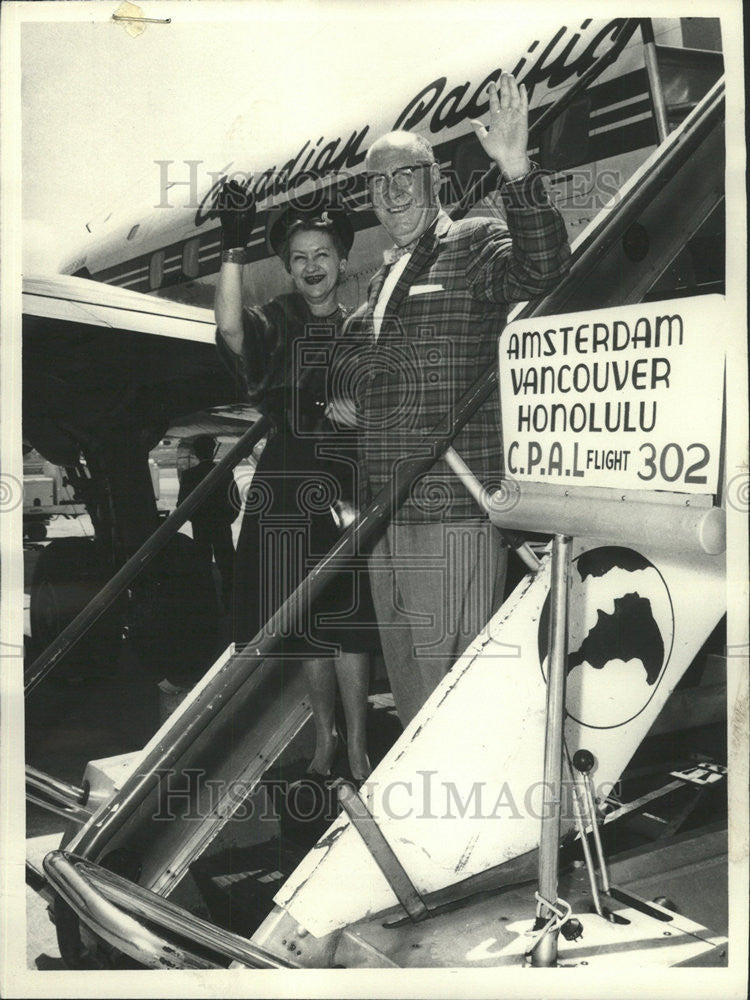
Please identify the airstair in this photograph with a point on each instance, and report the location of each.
(134, 884)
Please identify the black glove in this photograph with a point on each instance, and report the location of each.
(236, 209)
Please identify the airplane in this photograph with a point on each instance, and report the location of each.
(616, 134)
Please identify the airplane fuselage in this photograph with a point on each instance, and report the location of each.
(174, 249)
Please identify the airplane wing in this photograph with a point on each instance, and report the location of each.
(92, 303)
(100, 361)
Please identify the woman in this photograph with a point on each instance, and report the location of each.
(288, 521)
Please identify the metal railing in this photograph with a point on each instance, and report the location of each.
(130, 919)
(57, 796)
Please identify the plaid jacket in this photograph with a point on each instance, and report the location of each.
(439, 334)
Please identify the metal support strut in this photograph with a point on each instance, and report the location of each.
(580, 813)
(382, 853)
(483, 497)
(654, 79)
(583, 762)
(544, 952)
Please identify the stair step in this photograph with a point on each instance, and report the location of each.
(238, 885)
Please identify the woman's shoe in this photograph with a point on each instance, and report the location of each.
(315, 772)
(361, 773)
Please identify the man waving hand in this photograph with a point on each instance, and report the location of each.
(434, 313)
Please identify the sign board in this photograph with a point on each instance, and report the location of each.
(628, 397)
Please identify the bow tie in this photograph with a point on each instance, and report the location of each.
(392, 254)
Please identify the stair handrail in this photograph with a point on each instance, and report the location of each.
(132, 919)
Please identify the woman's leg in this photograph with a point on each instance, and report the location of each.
(353, 673)
(321, 683)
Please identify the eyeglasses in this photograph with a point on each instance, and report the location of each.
(402, 177)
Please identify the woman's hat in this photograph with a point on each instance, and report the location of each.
(332, 217)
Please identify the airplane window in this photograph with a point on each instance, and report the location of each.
(133, 231)
(686, 77)
(470, 162)
(156, 270)
(565, 142)
(190, 263)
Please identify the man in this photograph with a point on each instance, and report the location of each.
(433, 317)
(212, 521)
